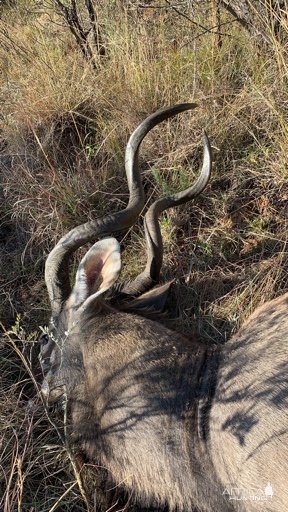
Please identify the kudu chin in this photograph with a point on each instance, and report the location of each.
(178, 423)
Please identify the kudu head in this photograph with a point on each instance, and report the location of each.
(60, 352)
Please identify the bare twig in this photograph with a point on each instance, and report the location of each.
(95, 27)
(204, 30)
(81, 35)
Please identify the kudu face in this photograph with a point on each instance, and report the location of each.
(61, 345)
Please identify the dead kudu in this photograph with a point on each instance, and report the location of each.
(177, 423)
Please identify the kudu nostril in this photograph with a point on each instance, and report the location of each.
(45, 389)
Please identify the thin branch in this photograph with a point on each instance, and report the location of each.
(204, 29)
(186, 17)
(95, 27)
(81, 35)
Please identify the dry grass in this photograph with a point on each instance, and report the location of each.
(39, 471)
(63, 132)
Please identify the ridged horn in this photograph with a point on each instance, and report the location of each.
(57, 264)
(150, 276)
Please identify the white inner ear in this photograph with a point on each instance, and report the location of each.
(96, 273)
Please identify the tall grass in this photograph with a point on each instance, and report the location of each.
(64, 127)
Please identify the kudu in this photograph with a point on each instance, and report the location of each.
(178, 423)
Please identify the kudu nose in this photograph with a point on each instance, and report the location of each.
(51, 394)
(45, 390)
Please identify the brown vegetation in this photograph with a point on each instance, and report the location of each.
(64, 126)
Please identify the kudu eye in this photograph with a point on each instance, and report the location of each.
(44, 338)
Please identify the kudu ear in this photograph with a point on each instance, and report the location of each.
(96, 273)
(153, 301)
